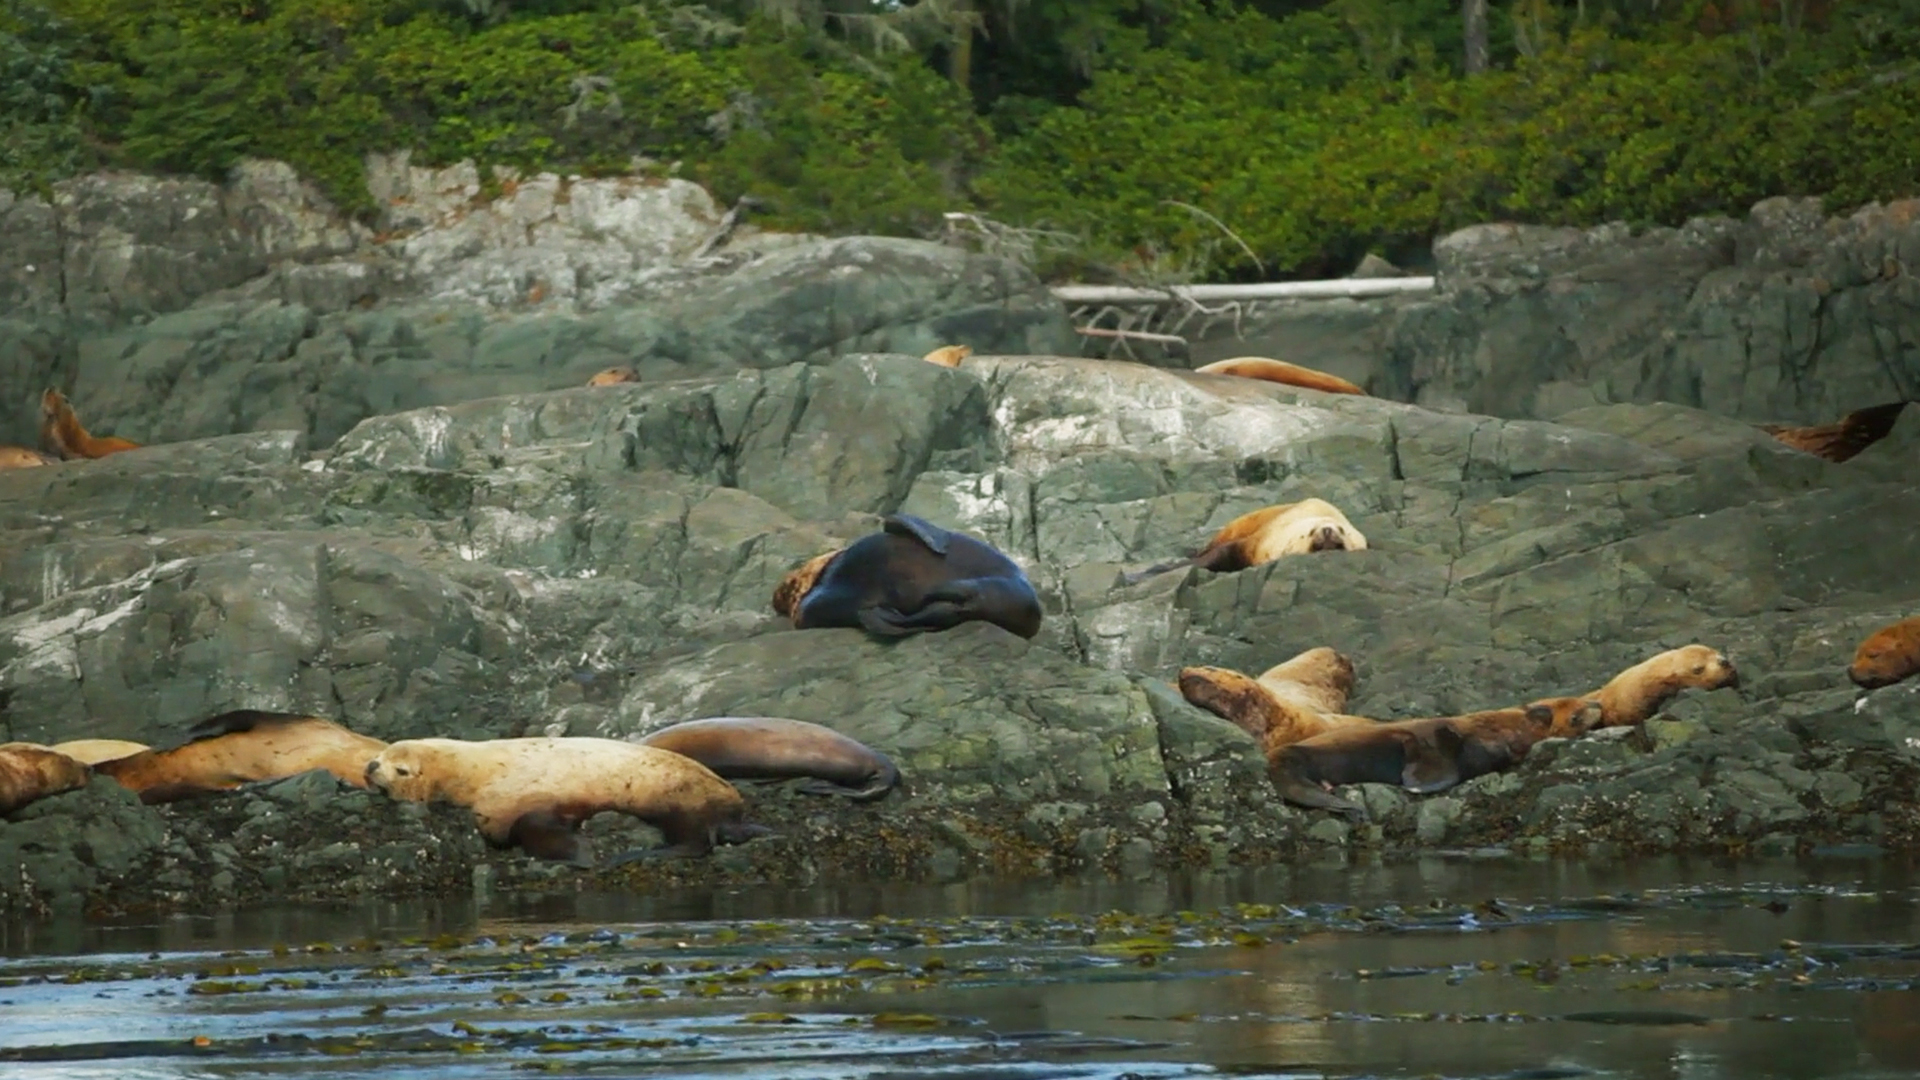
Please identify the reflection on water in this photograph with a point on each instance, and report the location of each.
(1444, 966)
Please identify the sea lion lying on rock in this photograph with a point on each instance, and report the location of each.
(1888, 655)
(911, 576)
(62, 434)
(533, 793)
(1423, 756)
(96, 751)
(243, 747)
(1845, 437)
(1279, 371)
(1634, 695)
(1289, 702)
(1272, 532)
(613, 376)
(19, 457)
(949, 355)
(29, 772)
(775, 748)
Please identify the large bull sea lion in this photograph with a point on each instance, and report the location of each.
(534, 792)
(1888, 655)
(243, 747)
(1261, 536)
(1280, 371)
(29, 771)
(62, 434)
(914, 576)
(1423, 756)
(775, 748)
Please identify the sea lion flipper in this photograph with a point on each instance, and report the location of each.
(935, 537)
(877, 789)
(886, 622)
(1309, 795)
(237, 721)
(1435, 765)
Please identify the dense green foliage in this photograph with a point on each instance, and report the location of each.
(1147, 128)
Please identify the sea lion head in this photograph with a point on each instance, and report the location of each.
(613, 376)
(1563, 718)
(1887, 656)
(1327, 538)
(1706, 668)
(798, 583)
(409, 770)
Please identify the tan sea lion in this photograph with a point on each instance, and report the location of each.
(1845, 437)
(799, 582)
(19, 457)
(614, 376)
(914, 576)
(1424, 756)
(243, 747)
(1279, 371)
(774, 748)
(1261, 536)
(1888, 655)
(1635, 694)
(1289, 702)
(949, 355)
(29, 771)
(535, 792)
(96, 751)
(61, 433)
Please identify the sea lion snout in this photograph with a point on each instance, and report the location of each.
(1733, 675)
(372, 771)
(1327, 538)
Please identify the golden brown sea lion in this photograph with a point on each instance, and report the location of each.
(1279, 371)
(1888, 655)
(244, 747)
(799, 582)
(1635, 694)
(1426, 755)
(96, 751)
(774, 748)
(29, 771)
(535, 792)
(1290, 702)
(614, 376)
(1261, 536)
(1845, 437)
(19, 457)
(61, 433)
(949, 355)
(915, 576)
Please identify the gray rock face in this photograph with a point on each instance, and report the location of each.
(600, 561)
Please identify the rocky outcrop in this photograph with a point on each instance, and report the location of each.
(599, 561)
(1785, 316)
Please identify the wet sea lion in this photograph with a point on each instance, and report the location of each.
(1279, 371)
(533, 793)
(1635, 694)
(799, 582)
(1888, 655)
(915, 576)
(1424, 756)
(243, 747)
(614, 376)
(1261, 536)
(1289, 702)
(1845, 437)
(19, 457)
(96, 751)
(949, 355)
(62, 435)
(29, 771)
(774, 748)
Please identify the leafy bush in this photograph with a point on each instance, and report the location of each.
(40, 137)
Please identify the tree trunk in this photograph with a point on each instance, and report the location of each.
(960, 58)
(1473, 14)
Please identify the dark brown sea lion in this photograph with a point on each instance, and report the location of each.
(534, 793)
(1888, 655)
(29, 771)
(1426, 755)
(915, 576)
(1266, 534)
(243, 747)
(1845, 437)
(774, 748)
(62, 434)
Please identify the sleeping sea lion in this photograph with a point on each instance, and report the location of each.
(1261, 536)
(949, 355)
(1888, 655)
(534, 792)
(1290, 702)
(799, 582)
(96, 751)
(1423, 756)
(243, 747)
(915, 576)
(1635, 694)
(773, 748)
(29, 771)
(19, 457)
(614, 376)
(1845, 437)
(1279, 371)
(62, 435)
